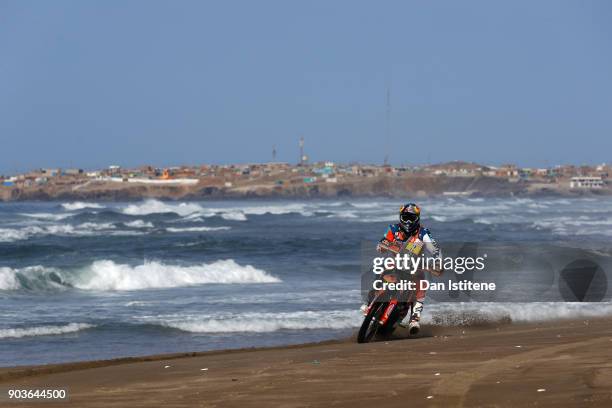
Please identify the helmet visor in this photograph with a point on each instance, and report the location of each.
(408, 218)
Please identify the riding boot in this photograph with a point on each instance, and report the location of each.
(414, 325)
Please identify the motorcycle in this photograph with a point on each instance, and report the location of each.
(384, 312)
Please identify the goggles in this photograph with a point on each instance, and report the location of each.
(408, 218)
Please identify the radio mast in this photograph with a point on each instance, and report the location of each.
(302, 157)
(388, 123)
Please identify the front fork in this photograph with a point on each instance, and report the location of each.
(393, 304)
(390, 307)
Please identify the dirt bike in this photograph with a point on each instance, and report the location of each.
(385, 310)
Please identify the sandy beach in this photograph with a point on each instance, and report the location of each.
(561, 364)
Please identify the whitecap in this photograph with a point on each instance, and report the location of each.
(234, 216)
(108, 275)
(47, 216)
(80, 205)
(196, 229)
(261, 322)
(159, 207)
(138, 224)
(19, 332)
(466, 313)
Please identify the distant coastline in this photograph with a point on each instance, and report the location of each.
(318, 180)
(376, 187)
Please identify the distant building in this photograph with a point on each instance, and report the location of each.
(51, 172)
(507, 170)
(456, 169)
(586, 182)
(114, 169)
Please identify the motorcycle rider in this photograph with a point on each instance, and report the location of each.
(409, 230)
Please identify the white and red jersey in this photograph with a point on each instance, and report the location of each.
(415, 244)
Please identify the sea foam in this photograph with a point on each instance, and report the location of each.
(457, 314)
(160, 207)
(196, 229)
(261, 322)
(80, 205)
(107, 275)
(43, 330)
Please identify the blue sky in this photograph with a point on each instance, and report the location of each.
(93, 83)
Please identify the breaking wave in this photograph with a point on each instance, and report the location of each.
(343, 214)
(43, 330)
(233, 214)
(80, 205)
(278, 209)
(10, 234)
(266, 322)
(193, 211)
(106, 275)
(470, 314)
(238, 216)
(159, 207)
(439, 218)
(138, 224)
(47, 216)
(196, 229)
(241, 213)
(81, 230)
(446, 314)
(582, 225)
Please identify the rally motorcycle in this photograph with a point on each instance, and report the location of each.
(384, 312)
(386, 308)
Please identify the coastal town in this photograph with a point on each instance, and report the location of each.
(304, 179)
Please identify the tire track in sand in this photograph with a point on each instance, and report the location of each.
(455, 388)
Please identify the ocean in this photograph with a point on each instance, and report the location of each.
(97, 280)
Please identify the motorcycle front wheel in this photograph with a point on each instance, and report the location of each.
(371, 323)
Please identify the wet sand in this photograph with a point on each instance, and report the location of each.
(556, 364)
